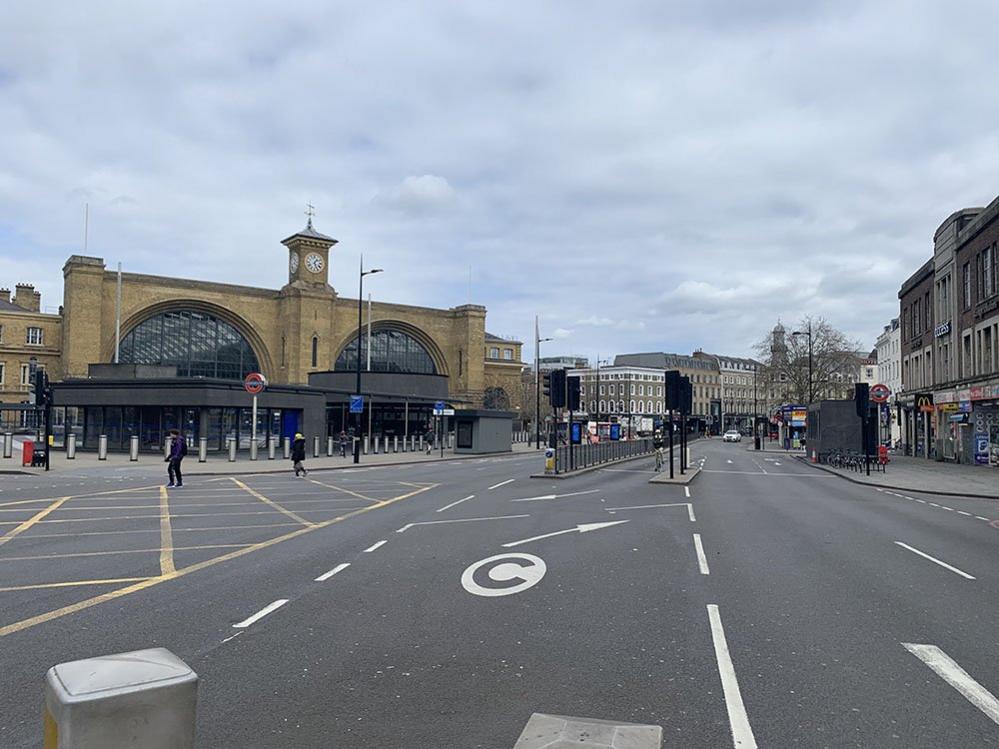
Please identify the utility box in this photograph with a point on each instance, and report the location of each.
(482, 431)
(145, 699)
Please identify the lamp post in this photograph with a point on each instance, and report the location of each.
(360, 308)
(808, 333)
(598, 394)
(538, 340)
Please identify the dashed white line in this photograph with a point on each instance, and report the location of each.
(742, 732)
(979, 517)
(327, 575)
(690, 513)
(962, 512)
(949, 509)
(269, 608)
(955, 570)
(375, 546)
(407, 526)
(686, 491)
(947, 669)
(501, 483)
(921, 501)
(702, 561)
(448, 507)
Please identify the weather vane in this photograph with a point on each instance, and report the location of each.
(310, 211)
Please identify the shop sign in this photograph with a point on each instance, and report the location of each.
(947, 407)
(798, 418)
(982, 449)
(924, 402)
(964, 407)
(948, 396)
(942, 329)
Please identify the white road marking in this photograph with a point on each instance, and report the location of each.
(448, 507)
(962, 512)
(728, 461)
(742, 732)
(555, 496)
(686, 491)
(949, 509)
(262, 613)
(935, 560)
(375, 546)
(979, 517)
(460, 520)
(947, 669)
(327, 575)
(923, 501)
(232, 637)
(702, 561)
(690, 513)
(501, 483)
(581, 528)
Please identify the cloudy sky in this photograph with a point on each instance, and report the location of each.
(644, 176)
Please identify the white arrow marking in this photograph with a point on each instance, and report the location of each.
(555, 496)
(461, 520)
(947, 669)
(581, 528)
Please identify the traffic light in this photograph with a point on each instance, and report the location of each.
(546, 385)
(686, 396)
(558, 388)
(674, 395)
(573, 394)
(862, 398)
(41, 390)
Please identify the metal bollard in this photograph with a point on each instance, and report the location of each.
(202, 449)
(286, 446)
(133, 448)
(144, 698)
(374, 445)
(315, 446)
(395, 443)
(102, 447)
(271, 447)
(253, 449)
(71, 446)
(8, 444)
(366, 440)
(329, 447)
(232, 450)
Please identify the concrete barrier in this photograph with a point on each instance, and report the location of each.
(145, 698)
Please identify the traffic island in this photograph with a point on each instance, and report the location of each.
(678, 478)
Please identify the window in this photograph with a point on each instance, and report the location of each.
(508, 354)
(315, 350)
(25, 374)
(3, 371)
(632, 407)
(34, 336)
(928, 323)
(641, 407)
(601, 390)
(494, 353)
(916, 318)
(641, 389)
(989, 270)
(967, 285)
(632, 388)
(1, 333)
(391, 351)
(603, 406)
(648, 406)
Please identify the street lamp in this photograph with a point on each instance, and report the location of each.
(808, 333)
(360, 307)
(538, 340)
(598, 393)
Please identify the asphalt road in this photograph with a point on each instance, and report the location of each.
(776, 605)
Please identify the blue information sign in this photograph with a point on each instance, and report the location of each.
(440, 406)
(576, 437)
(357, 404)
(615, 431)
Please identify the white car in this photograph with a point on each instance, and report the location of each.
(732, 435)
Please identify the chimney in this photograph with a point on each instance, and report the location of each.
(4, 295)
(27, 298)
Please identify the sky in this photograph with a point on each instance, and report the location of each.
(644, 176)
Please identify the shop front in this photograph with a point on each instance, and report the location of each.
(968, 420)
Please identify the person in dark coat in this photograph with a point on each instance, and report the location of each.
(298, 454)
(344, 441)
(178, 449)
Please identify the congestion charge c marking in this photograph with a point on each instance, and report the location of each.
(504, 568)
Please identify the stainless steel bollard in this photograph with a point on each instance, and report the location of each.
(202, 449)
(167, 444)
(287, 447)
(146, 698)
(395, 443)
(315, 446)
(232, 450)
(366, 441)
(102, 447)
(253, 449)
(71, 446)
(329, 447)
(271, 447)
(8, 444)
(421, 443)
(133, 448)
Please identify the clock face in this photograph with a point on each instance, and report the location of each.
(314, 262)
(293, 262)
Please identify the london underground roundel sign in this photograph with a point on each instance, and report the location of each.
(880, 393)
(255, 383)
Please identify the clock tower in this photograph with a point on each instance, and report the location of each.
(308, 257)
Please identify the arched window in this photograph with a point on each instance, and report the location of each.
(632, 405)
(495, 398)
(198, 344)
(603, 406)
(391, 351)
(315, 350)
(648, 407)
(620, 407)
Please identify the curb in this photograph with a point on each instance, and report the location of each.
(893, 487)
(676, 480)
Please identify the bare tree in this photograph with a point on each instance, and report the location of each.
(810, 362)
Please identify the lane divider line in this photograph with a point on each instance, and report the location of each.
(923, 554)
(501, 483)
(407, 526)
(375, 546)
(947, 669)
(686, 491)
(269, 608)
(742, 732)
(327, 575)
(448, 507)
(702, 561)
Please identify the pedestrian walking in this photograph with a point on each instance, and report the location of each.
(178, 449)
(429, 437)
(298, 454)
(344, 439)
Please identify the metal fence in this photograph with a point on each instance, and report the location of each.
(584, 456)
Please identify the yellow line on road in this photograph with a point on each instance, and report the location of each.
(73, 584)
(113, 552)
(272, 503)
(175, 530)
(87, 603)
(31, 521)
(345, 491)
(166, 535)
(407, 496)
(85, 495)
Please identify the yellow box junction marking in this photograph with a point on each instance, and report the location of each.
(31, 521)
(272, 503)
(166, 535)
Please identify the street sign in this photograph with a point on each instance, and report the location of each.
(255, 383)
(357, 404)
(615, 431)
(444, 412)
(880, 393)
(440, 406)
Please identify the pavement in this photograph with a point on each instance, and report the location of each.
(443, 604)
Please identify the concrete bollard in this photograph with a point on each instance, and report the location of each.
(102, 447)
(146, 698)
(71, 446)
(133, 449)
(202, 449)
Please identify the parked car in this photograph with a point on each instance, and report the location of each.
(732, 435)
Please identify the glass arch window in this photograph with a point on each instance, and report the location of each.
(391, 351)
(198, 344)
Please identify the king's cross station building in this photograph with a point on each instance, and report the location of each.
(185, 347)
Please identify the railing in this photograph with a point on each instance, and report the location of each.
(584, 456)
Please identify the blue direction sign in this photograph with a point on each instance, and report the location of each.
(357, 404)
